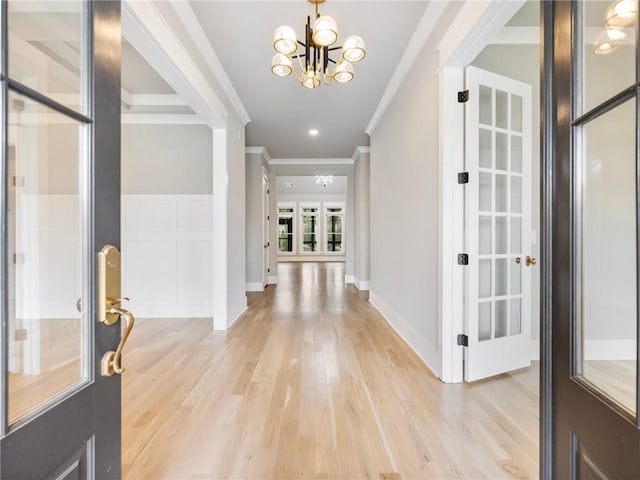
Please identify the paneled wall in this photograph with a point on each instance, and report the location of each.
(167, 252)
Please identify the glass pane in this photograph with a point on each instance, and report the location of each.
(484, 278)
(45, 48)
(501, 276)
(501, 318)
(502, 151)
(502, 109)
(608, 245)
(485, 192)
(486, 110)
(46, 231)
(484, 321)
(516, 235)
(501, 193)
(334, 243)
(516, 277)
(485, 236)
(607, 71)
(501, 235)
(516, 153)
(516, 316)
(486, 159)
(516, 194)
(516, 113)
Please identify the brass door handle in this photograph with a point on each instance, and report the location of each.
(112, 361)
(530, 261)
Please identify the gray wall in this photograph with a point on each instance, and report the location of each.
(522, 63)
(167, 159)
(254, 224)
(362, 234)
(404, 202)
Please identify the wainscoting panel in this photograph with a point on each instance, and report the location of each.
(167, 249)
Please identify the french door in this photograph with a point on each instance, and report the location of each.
(590, 423)
(498, 149)
(59, 206)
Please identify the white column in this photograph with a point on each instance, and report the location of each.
(362, 209)
(220, 229)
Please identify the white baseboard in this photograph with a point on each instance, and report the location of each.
(361, 284)
(425, 351)
(616, 349)
(255, 287)
(171, 311)
(349, 279)
(238, 317)
(273, 280)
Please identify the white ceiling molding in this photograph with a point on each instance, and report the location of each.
(154, 100)
(259, 151)
(146, 30)
(161, 119)
(311, 161)
(428, 22)
(479, 21)
(517, 36)
(188, 18)
(358, 152)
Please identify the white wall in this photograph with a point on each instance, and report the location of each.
(254, 220)
(405, 205)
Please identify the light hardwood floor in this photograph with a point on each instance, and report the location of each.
(312, 383)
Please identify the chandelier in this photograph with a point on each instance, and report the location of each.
(319, 41)
(324, 180)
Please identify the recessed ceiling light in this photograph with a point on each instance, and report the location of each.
(313, 132)
(288, 185)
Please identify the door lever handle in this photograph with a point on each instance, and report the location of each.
(112, 361)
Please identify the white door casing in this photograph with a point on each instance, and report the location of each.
(265, 230)
(498, 151)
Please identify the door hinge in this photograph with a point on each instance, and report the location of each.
(268, 192)
(268, 244)
(268, 270)
(268, 218)
(463, 178)
(463, 259)
(463, 96)
(463, 340)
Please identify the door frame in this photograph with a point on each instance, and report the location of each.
(475, 25)
(266, 219)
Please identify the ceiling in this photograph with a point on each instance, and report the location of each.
(282, 112)
(307, 186)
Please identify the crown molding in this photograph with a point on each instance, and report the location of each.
(311, 161)
(161, 119)
(424, 29)
(191, 23)
(259, 151)
(359, 151)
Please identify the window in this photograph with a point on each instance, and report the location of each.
(334, 218)
(310, 228)
(286, 231)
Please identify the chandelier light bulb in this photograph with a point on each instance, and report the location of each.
(281, 65)
(310, 80)
(285, 40)
(608, 40)
(621, 13)
(325, 31)
(324, 180)
(344, 72)
(354, 49)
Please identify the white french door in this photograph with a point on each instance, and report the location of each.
(497, 224)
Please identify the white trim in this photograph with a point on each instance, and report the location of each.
(244, 310)
(617, 349)
(311, 161)
(422, 32)
(148, 32)
(425, 351)
(362, 284)
(348, 279)
(190, 21)
(258, 151)
(162, 119)
(153, 100)
(220, 231)
(472, 29)
(359, 152)
(273, 279)
(254, 287)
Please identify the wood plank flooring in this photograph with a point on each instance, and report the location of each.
(312, 383)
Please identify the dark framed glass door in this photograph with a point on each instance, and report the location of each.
(590, 426)
(59, 205)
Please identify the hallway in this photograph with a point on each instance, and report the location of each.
(312, 383)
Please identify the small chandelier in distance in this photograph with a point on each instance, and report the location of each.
(316, 51)
(324, 180)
